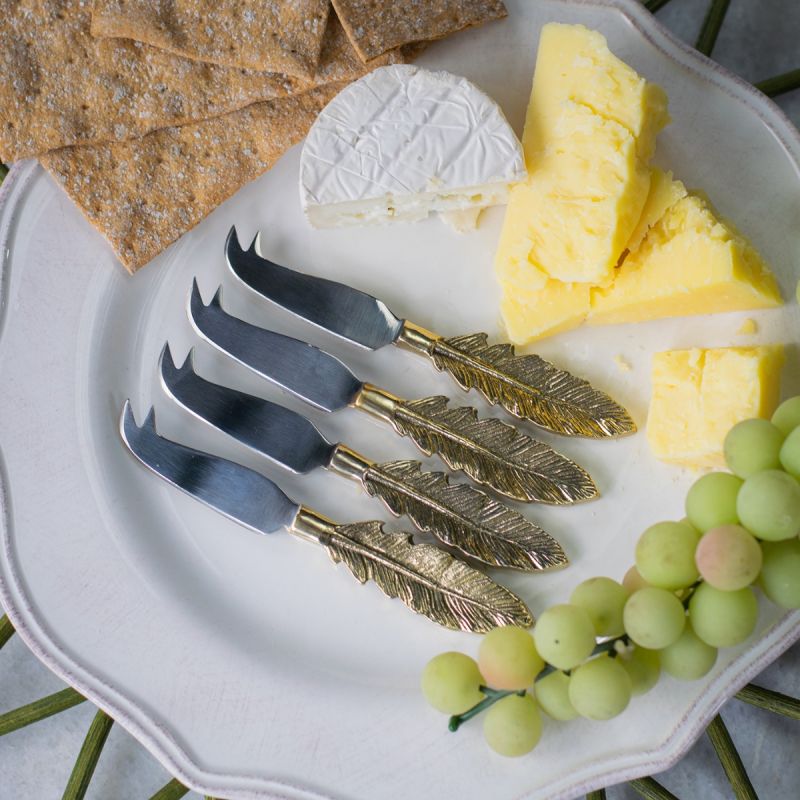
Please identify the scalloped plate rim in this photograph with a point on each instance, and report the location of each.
(150, 733)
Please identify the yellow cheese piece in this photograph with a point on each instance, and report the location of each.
(689, 263)
(590, 129)
(574, 63)
(698, 395)
(664, 193)
(555, 308)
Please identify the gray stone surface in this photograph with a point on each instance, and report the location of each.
(760, 39)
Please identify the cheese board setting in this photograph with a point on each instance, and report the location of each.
(586, 442)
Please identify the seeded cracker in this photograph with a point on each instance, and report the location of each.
(375, 26)
(61, 86)
(144, 194)
(270, 35)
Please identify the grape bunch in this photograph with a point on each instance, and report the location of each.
(690, 592)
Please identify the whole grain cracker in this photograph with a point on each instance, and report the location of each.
(144, 194)
(375, 26)
(339, 61)
(272, 35)
(61, 86)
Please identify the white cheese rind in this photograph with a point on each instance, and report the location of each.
(402, 142)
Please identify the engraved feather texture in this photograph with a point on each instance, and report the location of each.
(492, 452)
(463, 517)
(531, 388)
(428, 580)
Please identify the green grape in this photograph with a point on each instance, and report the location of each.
(790, 453)
(603, 600)
(723, 619)
(451, 683)
(689, 658)
(769, 505)
(552, 694)
(712, 501)
(643, 668)
(513, 725)
(728, 557)
(633, 581)
(665, 555)
(564, 636)
(780, 572)
(787, 415)
(600, 688)
(654, 618)
(752, 446)
(507, 658)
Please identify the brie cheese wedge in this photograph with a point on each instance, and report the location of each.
(404, 141)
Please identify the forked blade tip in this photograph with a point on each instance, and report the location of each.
(196, 304)
(195, 298)
(170, 370)
(128, 425)
(126, 418)
(166, 358)
(233, 247)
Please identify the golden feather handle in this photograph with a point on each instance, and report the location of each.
(426, 579)
(458, 515)
(488, 450)
(526, 386)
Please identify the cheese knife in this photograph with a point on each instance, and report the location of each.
(526, 386)
(488, 450)
(458, 515)
(426, 579)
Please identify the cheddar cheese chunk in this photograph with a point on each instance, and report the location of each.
(699, 395)
(689, 263)
(556, 307)
(664, 193)
(589, 131)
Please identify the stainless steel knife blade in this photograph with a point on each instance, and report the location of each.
(345, 312)
(236, 492)
(456, 514)
(526, 386)
(280, 434)
(488, 450)
(424, 578)
(304, 370)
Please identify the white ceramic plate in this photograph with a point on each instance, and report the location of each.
(251, 666)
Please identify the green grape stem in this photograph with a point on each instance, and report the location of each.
(690, 590)
(493, 695)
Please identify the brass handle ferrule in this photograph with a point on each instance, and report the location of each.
(311, 526)
(415, 338)
(349, 463)
(377, 402)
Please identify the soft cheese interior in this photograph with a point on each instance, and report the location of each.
(403, 142)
